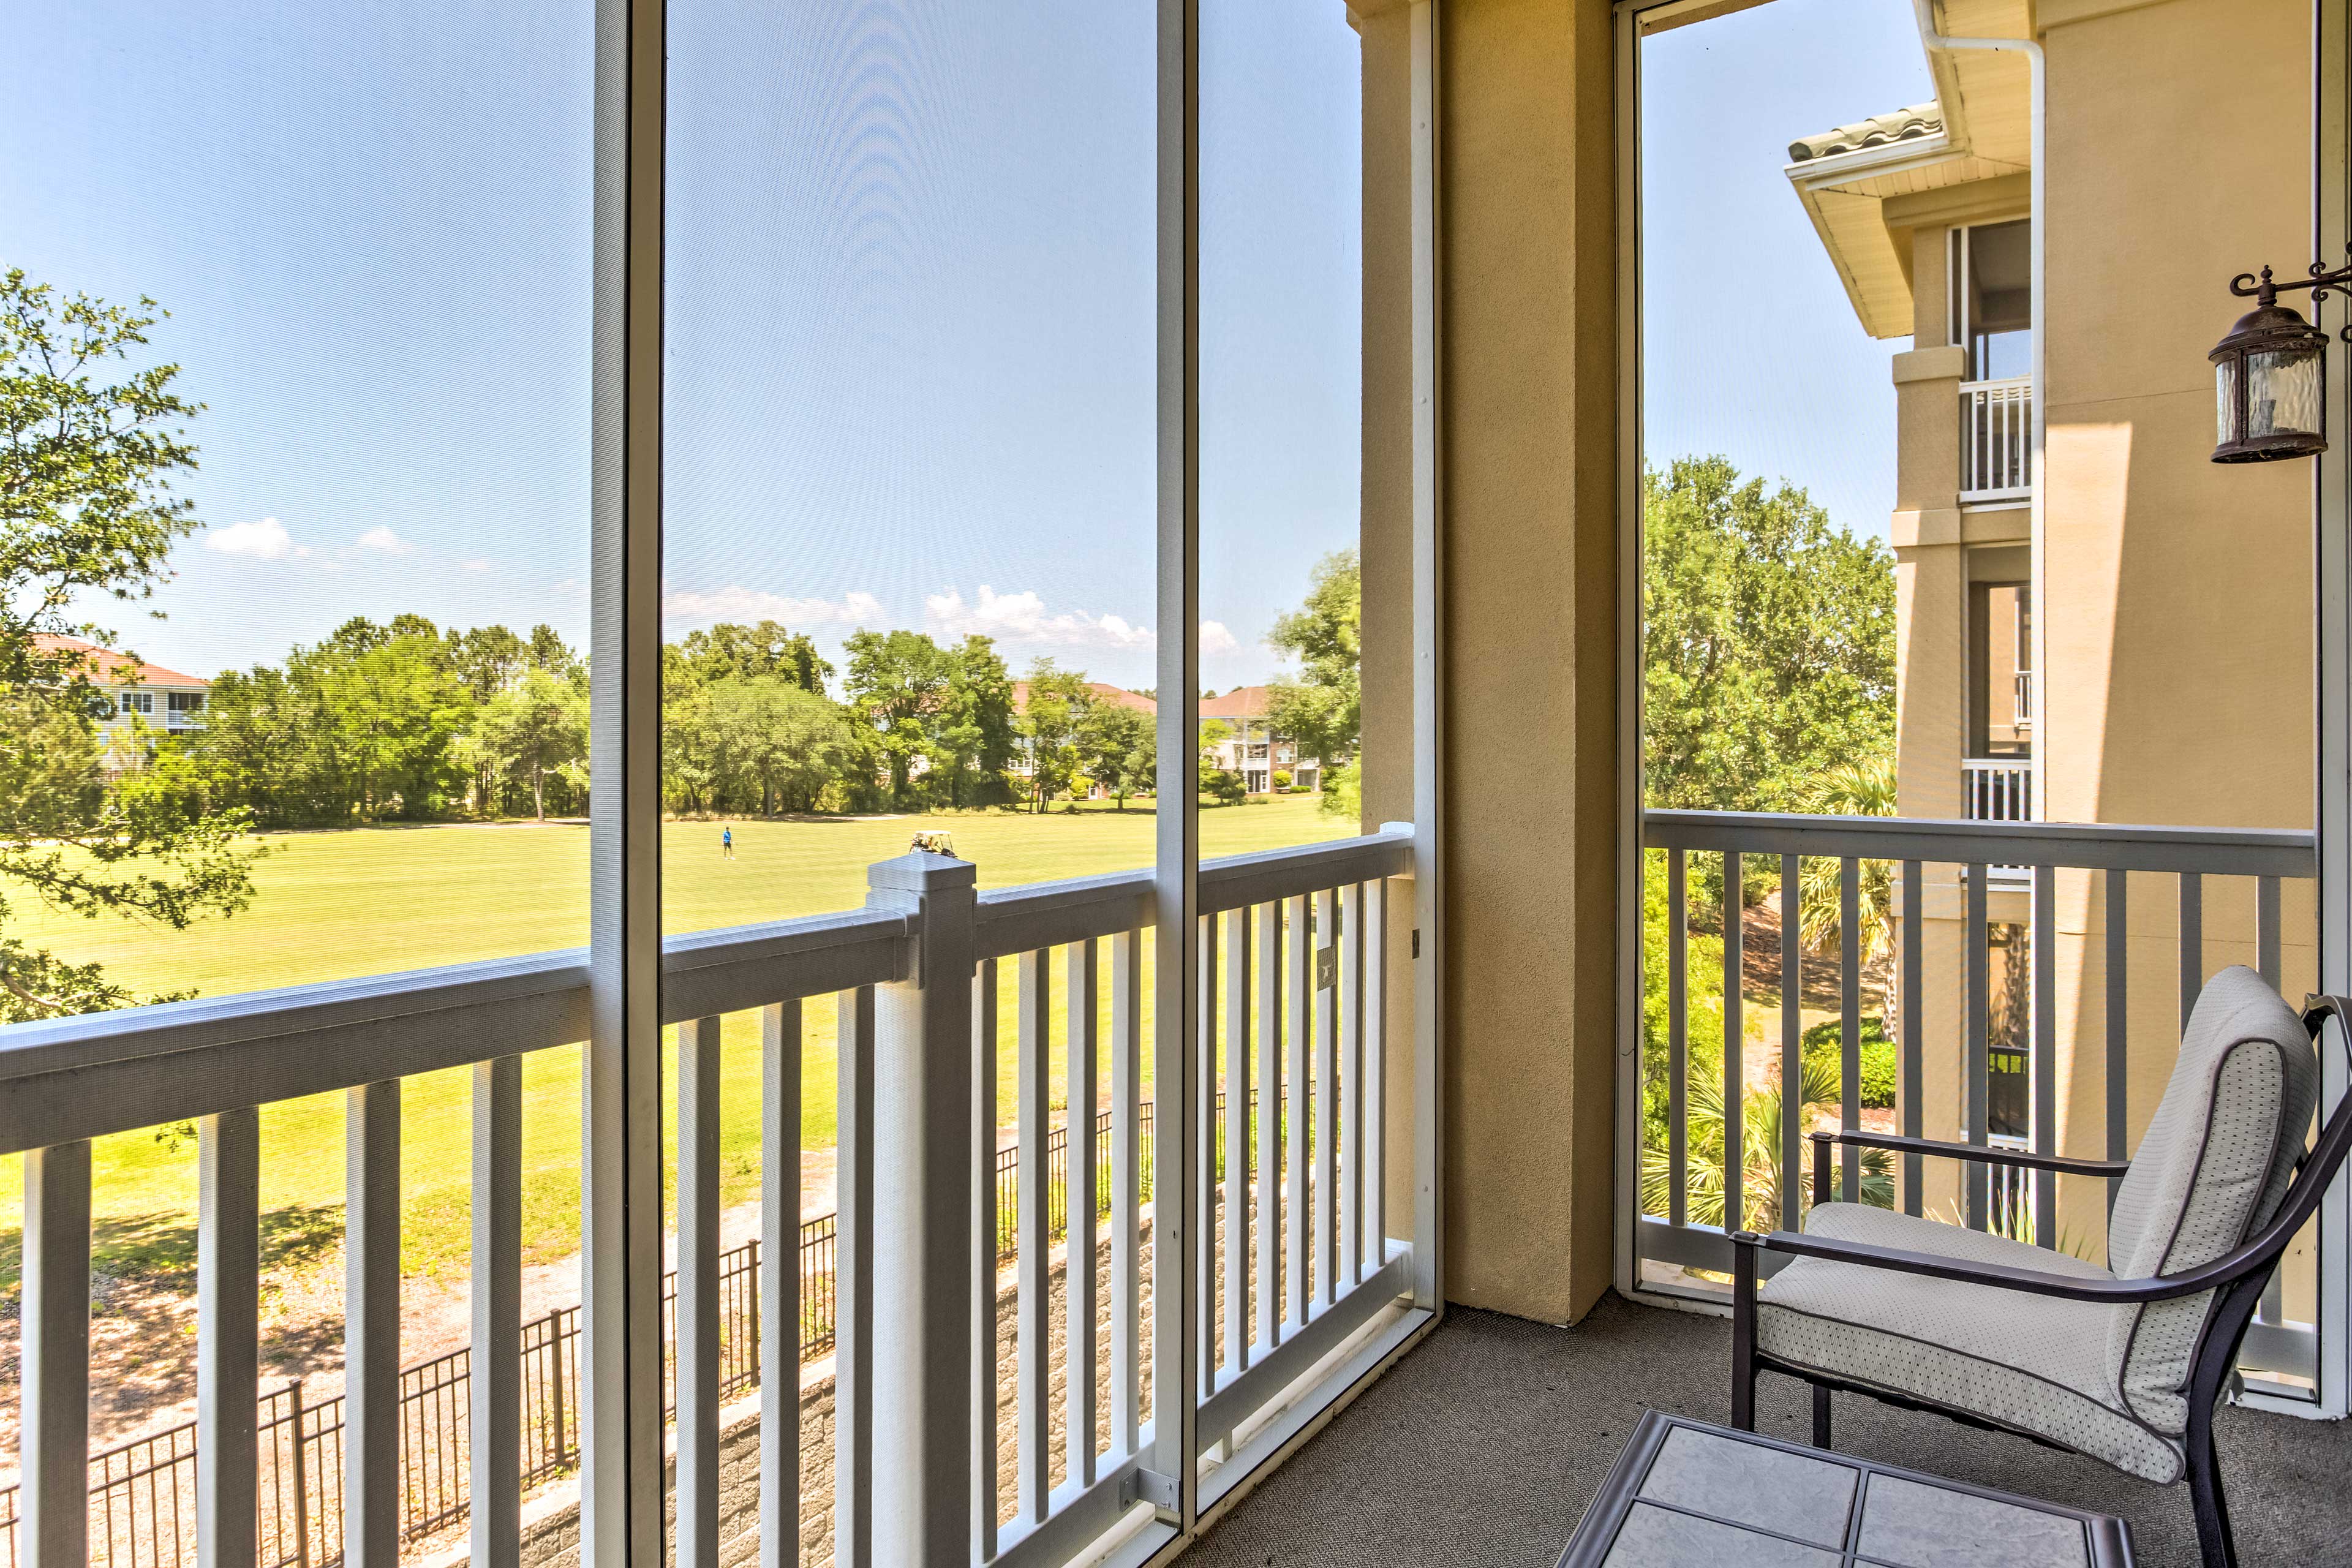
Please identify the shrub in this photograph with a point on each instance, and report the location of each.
(1881, 1067)
(1282, 779)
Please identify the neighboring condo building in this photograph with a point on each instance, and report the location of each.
(1250, 748)
(137, 691)
(1253, 750)
(2123, 633)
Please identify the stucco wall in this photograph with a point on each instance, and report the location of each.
(1527, 411)
(2179, 687)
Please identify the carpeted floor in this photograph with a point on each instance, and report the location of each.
(1482, 1447)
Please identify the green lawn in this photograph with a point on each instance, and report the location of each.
(334, 905)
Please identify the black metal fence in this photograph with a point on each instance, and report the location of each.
(142, 1493)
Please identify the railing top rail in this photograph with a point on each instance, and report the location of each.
(705, 974)
(2214, 851)
(1044, 914)
(1999, 383)
(87, 1076)
(1238, 879)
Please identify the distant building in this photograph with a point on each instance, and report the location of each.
(1251, 748)
(164, 700)
(1102, 692)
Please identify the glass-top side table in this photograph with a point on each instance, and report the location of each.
(1685, 1494)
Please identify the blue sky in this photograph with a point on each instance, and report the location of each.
(911, 334)
(1750, 346)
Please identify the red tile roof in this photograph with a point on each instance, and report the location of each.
(1103, 691)
(108, 667)
(1240, 702)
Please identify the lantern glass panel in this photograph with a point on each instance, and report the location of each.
(2283, 392)
(2225, 398)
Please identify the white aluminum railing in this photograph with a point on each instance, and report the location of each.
(1996, 789)
(1977, 850)
(916, 977)
(1996, 439)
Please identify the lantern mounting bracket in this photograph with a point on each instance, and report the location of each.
(2264, 290)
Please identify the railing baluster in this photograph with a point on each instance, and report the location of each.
(1326, 1102)
(1079, 1265)
(2044, 1062)
(2015, 466)
(1032, 1089)
(780, 1285)
(1237, 1130)
(1735, 1129)
(2118, 1068)
(1792, 1057)
(494, 1369)
(853, 1290)
(2266, 965)
(1268, 1112)
(985, 1506)
(1976, 940)
(2266, 929)
(372, 1479)
(1301, 987)
(1678, 1041)
(1850, 1017)
(227, 1336)
(1376, 1026)
(2192, 943)
(697, 1293)
(53, 1423)
(1913, 1023)
(1351, 1078)
(1126, 1210)
(1206, 1162)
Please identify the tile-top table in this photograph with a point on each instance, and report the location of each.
(1687, 1495)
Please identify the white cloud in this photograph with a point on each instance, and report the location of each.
(737, 602)
(1021, 619)
(1217, 639)
(478, 563)
(384, 539)
(264, 538)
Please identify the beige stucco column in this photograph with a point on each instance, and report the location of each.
(1527, 410)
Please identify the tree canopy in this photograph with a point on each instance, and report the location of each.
(1768, 641)
(1322, 710)
(90, 448)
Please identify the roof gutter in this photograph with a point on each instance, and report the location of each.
(2037, 243)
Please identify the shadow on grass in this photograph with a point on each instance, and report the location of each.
(158, 1246)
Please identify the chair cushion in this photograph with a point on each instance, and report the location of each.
(2032, 1363)
(2211, 1168)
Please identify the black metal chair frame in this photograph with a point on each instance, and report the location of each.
(2236, 1278)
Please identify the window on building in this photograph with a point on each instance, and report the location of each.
(2002, 677)
(1992, 298)
(137, 701)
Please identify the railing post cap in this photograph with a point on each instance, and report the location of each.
(920, 872)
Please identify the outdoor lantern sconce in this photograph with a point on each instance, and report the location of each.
(2269, 381)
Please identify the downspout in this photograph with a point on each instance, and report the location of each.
(2037, 243)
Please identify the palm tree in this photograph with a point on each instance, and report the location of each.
(1764, 1202)
(1865, 788)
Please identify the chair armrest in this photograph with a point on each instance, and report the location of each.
(1978, 1153)
(2222, 1271)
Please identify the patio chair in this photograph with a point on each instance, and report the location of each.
(2123, 1366)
